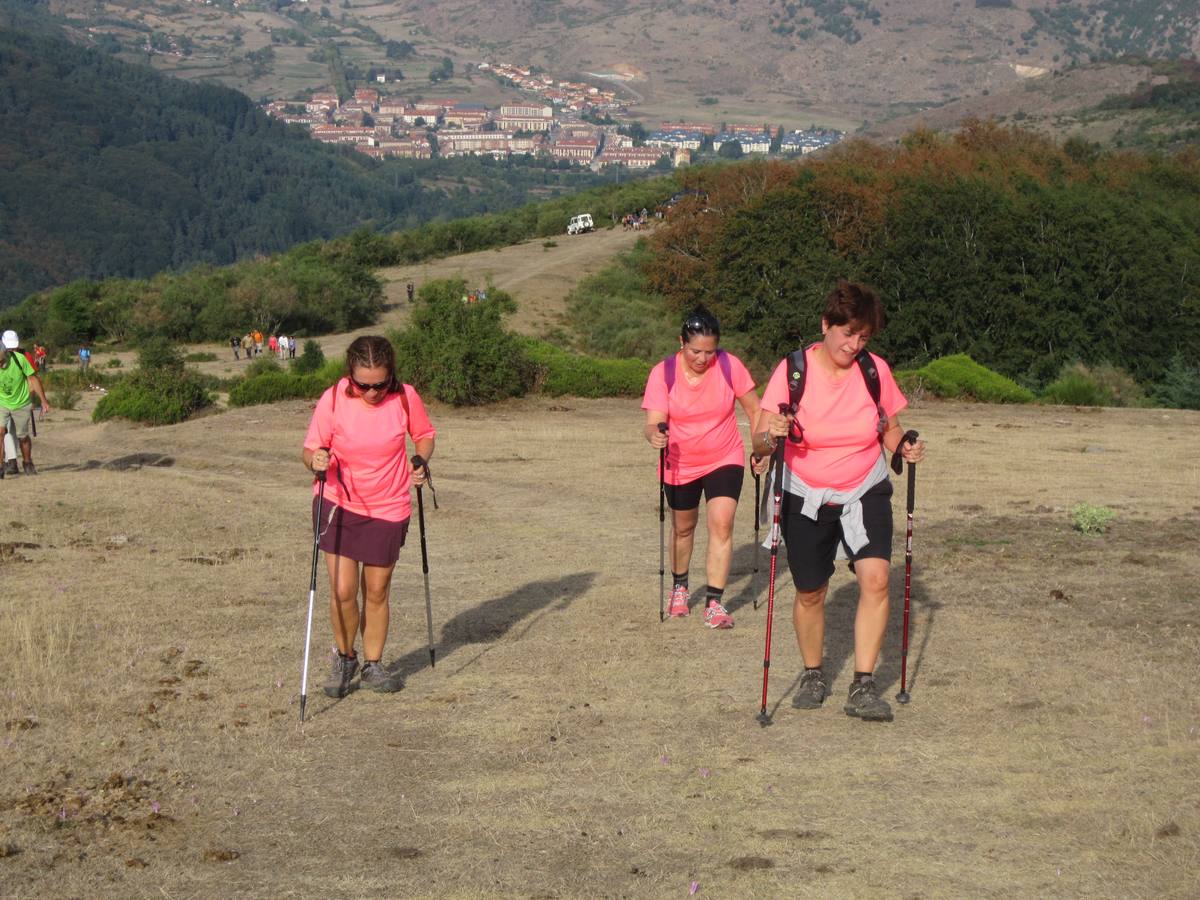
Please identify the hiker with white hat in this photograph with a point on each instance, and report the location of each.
(17, 380)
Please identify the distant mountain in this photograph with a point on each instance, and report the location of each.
(840, 62)
(112, 169)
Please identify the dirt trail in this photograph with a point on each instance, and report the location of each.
(567, 744)
(539, 277)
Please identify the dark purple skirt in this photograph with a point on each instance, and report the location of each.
(374, 542)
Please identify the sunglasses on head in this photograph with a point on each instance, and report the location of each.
(377, 386)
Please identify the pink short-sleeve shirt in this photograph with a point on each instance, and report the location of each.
(703, 427)
(841, 437)
(368, 469)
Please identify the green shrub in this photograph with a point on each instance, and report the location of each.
(616, 313)
(961, 376)
(200, 357)
(563, 372)
(113, 363)
(1103, 385)
(64, 398)
(1180, 386)
(156, 396)
(160, 353)
(1091, 519)
(275, 386)
(459, 352)
(263, 365)
(310, 359)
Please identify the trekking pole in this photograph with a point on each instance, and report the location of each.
(420, 463)
(662, 525)
(763, 718)
(757, 539)
(312, 589)
(910, 437)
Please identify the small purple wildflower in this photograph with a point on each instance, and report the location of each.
(695, 887)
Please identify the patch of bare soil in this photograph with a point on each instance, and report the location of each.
(567, 743)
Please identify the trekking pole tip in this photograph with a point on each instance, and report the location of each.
(764, 719)
(432, 660)
(903, 697)
(303, 703)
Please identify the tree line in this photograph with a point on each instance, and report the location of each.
(1023, 253)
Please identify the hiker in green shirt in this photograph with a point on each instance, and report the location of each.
(17, 379)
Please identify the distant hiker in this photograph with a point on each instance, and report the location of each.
(695, 391)
(273, 345)
(258, 342)
(837, 494)
(40, 360)
(409, 288)
(17, 380)
(248, 344)
(363, 420)
(236, 345)
(85, 358)
(292, 347)
(282, 346)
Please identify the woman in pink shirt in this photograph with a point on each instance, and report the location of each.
(694, 393)
(836, 487)
(357, 435)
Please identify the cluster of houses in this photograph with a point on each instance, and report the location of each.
(382, 126)
(570, 96)
(694, 136)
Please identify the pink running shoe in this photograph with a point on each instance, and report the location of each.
(715, 616)
(678, 605)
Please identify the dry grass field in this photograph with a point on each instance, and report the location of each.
(567, 743)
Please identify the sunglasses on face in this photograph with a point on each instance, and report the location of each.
(377, 386)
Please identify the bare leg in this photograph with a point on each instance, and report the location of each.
(870, 621)
(343, 600)
(719, 513)
(808, 615)
(683, 532)
(376, 584)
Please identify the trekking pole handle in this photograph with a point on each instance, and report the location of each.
(320, 476)
(419, 462)
(910, 437)
(795, 430)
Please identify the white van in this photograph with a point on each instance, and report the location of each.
(581, 223)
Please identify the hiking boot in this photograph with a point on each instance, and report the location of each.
(10, 468)
(716, 616)
(341, 673)
(865, 703)
(812, 690)
(30, 468)
(678, 604)
(376, 678)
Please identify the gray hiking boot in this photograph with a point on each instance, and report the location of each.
(812, 691)
(376, 678)
(29, 468)
(865, 703)
(10, 468)
(341, 673)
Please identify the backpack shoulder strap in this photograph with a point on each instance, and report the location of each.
(669, 372)
(404, 402)
(797, 374)
(726, 368)
(870, 374)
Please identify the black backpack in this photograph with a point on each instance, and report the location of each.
(798, 374)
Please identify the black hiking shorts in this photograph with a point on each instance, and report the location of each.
(812, 546)
(725, 481)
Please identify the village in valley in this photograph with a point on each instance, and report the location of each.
(579, 123)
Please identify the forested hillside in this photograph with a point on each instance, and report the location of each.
(111, 169)
(995, 242)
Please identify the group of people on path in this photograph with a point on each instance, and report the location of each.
(251, 344)
(837, 494)
(19, 384)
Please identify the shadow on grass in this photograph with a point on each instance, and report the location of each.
(492, 619)
(120, 464)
